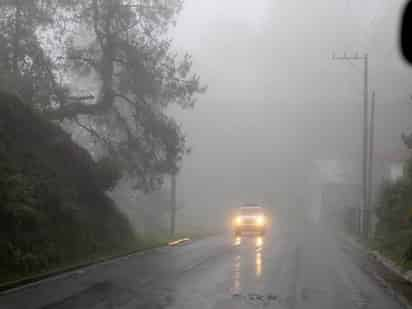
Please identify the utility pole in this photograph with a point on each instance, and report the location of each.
(172, 204)
(364, 206)
(370, 167)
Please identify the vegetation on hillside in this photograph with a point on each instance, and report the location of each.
(103, 70)
(108, 69)
(53, 209)
(394, 228)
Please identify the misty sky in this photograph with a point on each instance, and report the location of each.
(276, 101)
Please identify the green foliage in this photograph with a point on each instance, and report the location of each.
(51, 213)
(108, 172)
(129, 52)
(24, 66)
(46, 44)
(394, 229)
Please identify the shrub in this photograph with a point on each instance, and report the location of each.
(53, 209)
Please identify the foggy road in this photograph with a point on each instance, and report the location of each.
(282, 270)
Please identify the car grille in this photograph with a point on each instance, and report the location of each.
(249, 221)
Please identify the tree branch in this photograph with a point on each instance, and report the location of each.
(80, 98)
(74, 109)
(95, 23)
(122, 96)
(89, 61)
(139, 99)
(94, 133)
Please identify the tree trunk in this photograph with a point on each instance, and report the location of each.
(16, 40)
(106, 91)
(105, 38)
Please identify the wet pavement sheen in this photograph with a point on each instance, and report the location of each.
(284, 269)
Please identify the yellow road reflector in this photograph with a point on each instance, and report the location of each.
(177, 242)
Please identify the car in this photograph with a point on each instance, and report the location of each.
(250, 220)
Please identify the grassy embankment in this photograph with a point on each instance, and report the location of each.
(54, 213)
(393, 236)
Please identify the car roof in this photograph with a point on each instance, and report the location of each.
(251, 205)
(251, 208)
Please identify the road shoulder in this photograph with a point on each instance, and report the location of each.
(380, 268)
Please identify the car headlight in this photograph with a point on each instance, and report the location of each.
(260, 220)
(238, 221)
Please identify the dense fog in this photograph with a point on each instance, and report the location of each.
(277, 105)
(205, 154)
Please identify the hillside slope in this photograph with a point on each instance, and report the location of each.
(53, 209)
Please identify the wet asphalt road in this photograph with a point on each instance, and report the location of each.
(285, 269)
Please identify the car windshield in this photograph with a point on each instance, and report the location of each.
(250, 211)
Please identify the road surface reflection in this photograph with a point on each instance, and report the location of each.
(258, 259)
(258, 264)
(251, 251)
(259, 242)
(236, 275)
